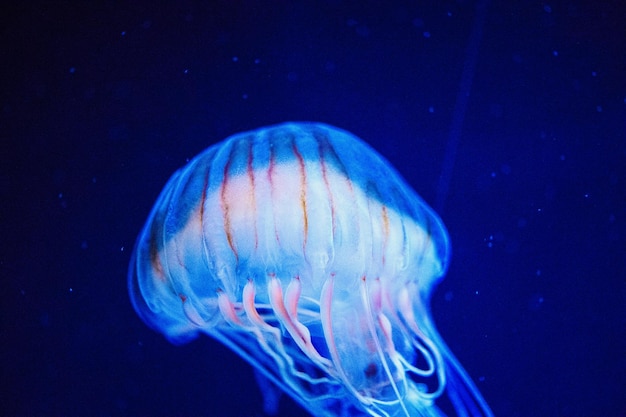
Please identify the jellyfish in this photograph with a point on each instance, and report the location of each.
(301, 249)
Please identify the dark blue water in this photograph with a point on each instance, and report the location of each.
(526, 163)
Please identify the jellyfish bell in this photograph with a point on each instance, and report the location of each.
(304, 251)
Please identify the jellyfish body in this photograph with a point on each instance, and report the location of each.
(305, 252)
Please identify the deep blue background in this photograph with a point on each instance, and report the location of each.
(102, 101)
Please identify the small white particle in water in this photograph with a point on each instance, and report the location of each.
(122, 249)
(123, 33)
(71, 289)
(235, 59)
